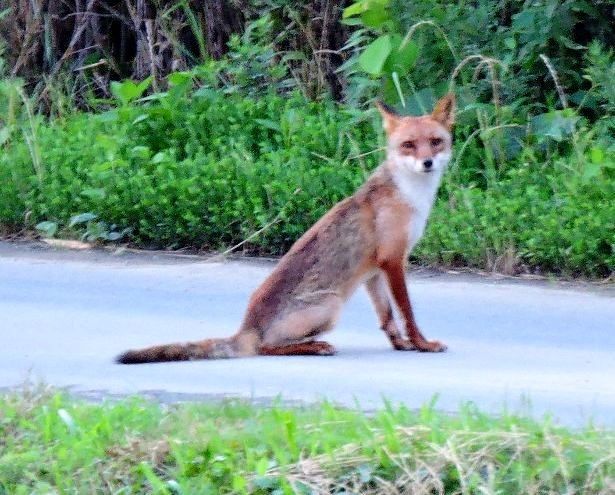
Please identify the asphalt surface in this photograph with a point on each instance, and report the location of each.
(534, 347)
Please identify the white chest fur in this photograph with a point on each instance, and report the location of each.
(418, 190)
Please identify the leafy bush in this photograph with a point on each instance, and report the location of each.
(208, 170)
(205, 171)
(531, 187)
(515, 41)
(549, 216)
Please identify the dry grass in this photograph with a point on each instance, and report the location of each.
(52, 444)
(81, 45)
(475, 459)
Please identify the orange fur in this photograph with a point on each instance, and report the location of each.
(363, 239)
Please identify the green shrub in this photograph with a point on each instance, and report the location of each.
(532, 185)
(510, 43)
(546, 216)
(208, 170)
(205, 171)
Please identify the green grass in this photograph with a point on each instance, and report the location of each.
(50, 443)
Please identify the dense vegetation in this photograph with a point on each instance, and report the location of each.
(50, 444)
(270, 121)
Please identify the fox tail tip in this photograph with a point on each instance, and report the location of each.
(128, 357)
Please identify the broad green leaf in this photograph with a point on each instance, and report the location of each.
(160, 96)
(269, 124)
(584, 99)
(127, 91)
(510, 141)
(142, 86)
(140, 151)
(355, 9)
(159, 157)
(556, 124)
(355, 21)
(179, 78)
(124, 91)
(81, 218)
(402, 58)
(140, 118)
(597, 154)
(373, 58)
(48, 228)
(375, 16)
(421, 102)
(363, 6)
(239, 483)
(102, 167)
(110, 115)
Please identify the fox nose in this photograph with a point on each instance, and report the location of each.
(428, 163)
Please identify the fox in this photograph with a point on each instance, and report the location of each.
(364, 239)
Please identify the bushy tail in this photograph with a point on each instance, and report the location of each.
(204, 349)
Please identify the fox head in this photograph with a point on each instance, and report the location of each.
(420, 145)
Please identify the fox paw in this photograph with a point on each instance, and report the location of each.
(403, 345)
(324, 349)
(430, 346)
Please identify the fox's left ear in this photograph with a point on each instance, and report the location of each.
(444, 112)
(390, 118)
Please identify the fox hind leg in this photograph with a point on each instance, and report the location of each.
(314, 348)
(294, 333)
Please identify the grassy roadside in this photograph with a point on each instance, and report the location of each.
(50, 443)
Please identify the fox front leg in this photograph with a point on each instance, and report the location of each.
(378, 293)
(394, 272)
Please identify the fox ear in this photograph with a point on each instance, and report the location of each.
(390, 118)
(444, 111)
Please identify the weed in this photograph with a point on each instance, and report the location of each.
(52, 443)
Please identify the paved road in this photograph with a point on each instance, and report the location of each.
(64, 316)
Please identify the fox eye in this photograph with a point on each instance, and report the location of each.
(436, 142)
(408, 145)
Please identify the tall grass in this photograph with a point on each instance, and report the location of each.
(51, 444)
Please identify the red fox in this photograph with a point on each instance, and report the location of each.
(364, 239)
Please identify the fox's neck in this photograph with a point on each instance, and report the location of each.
(418, 190)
